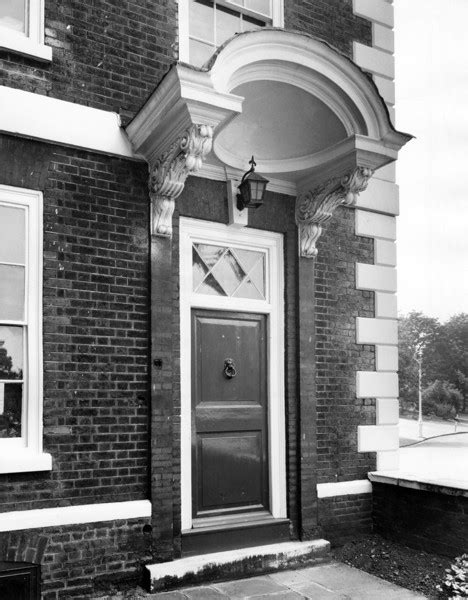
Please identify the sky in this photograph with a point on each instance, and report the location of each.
(431, 53)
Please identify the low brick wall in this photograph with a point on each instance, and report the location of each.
(343, 517)
(430, 518)
(76, 558)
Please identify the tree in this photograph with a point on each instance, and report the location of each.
(415, 331)
(442, 399)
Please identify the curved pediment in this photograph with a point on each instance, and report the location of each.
(305, 110)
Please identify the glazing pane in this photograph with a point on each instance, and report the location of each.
(13, 14)
(227, 24)
(200, 53)
(210, 254)
(250, 24)
(248, 258)
(201, 22)
(199, 270)
(257, 275)
(11, 352)
(211, 286)
(11, 293)
(11, 407)
(12, 235)
(229, 273)
(248, 290)
(261, 6)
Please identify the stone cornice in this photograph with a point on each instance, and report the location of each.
(315, 207)
(169, 172)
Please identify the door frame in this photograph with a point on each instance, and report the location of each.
(192, 230)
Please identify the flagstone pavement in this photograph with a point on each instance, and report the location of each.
(330, 581)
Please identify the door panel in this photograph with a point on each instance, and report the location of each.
(229, 415)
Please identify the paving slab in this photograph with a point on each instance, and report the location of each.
(253, 586)
(331, 581)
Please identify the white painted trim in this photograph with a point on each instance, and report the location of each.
(30, 456)
(62, 122)
(376, 331)
(74, 515)
(377, 438)
(277, 20)
(374, 10)
(32, 43)
(374, 60)
(344, 488)
(272, 244)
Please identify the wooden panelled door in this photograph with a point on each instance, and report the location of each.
(229, 413)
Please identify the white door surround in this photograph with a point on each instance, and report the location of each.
(271, 244)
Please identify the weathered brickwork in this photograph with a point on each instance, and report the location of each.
(108, 55)
(96, 326)
(330, 20)
(343, 517)
(112, 55)
(76, 560)
(338, 357)
(424, 518)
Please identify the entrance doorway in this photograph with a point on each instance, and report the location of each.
(232, 376)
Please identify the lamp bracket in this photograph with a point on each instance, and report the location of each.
(237, 217)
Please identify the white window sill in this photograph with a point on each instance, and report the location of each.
(24, 461)
(11, 40)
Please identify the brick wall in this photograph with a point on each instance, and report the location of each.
(108, 55)
(111, 55)
(343, 517)
(76, 560)
(330, 20)
(425, 518)
(96, 325)
(338, 357)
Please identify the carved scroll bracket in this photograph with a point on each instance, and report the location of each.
(169, 172)
(314, 208)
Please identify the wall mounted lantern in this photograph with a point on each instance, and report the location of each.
(251, 190)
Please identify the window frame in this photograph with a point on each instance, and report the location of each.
(277, 20)
(32, 42)
(25, 453)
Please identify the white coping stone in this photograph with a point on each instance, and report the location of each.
(386, 305)
(344, 488)
(386, 88)
(374, 10)
(387, 411)
(374, 60)
(74, 515)
(196, 564)
(387, 461)
(380, 196)
(385, 253)
(376, 331)
(373, 384)
(419, 481)
(375, 438)
(375, 225)
(386, 357)
(376, 278)
(387, 173)
(44, 118)
(383, 37)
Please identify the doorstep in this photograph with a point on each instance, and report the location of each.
(235, 563)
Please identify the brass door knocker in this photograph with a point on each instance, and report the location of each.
(229, 369)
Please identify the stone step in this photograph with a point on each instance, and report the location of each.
(235, 563)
